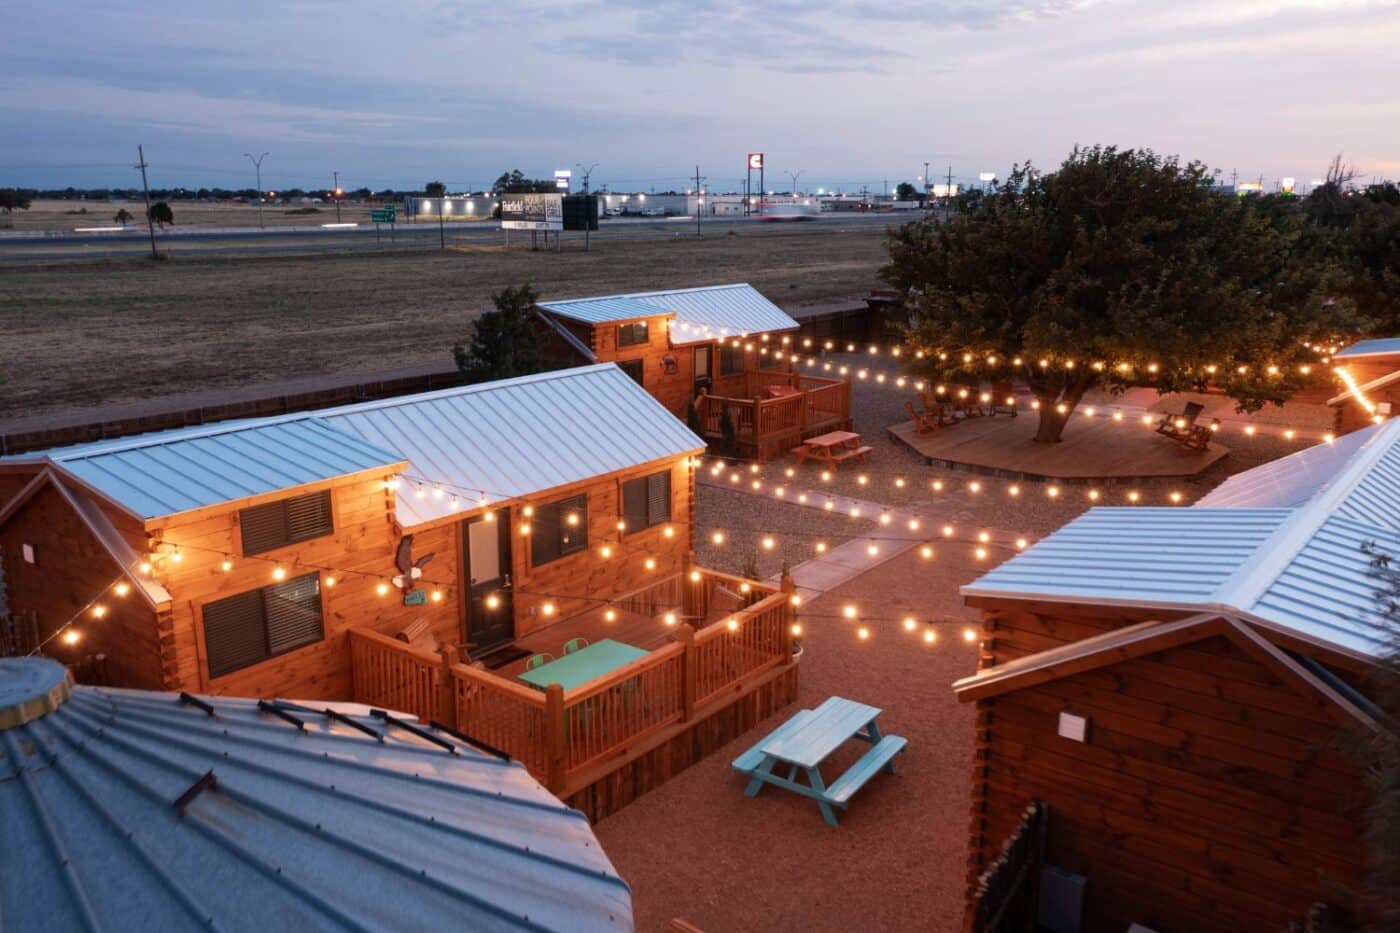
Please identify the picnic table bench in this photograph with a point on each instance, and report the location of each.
(832, 448)
(807, 739)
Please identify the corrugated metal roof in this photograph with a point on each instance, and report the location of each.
(1136, 555)
(604, 310)
(1300, 567)
(167, 472)
(1288, 481)
(1384, 346)
(719, 311)
(321, 829)
(517, 437)
(702, 314)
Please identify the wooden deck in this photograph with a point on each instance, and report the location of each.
(767, 427)
(1095, 449)
(600, 744)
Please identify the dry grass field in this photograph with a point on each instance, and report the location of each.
(84, 334)
(68, 215)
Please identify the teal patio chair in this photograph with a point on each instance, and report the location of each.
(538, 660)
(575, 644)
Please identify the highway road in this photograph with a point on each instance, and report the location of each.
(244, 241)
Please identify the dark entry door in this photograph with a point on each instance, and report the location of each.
(702, 368)
(486, 555)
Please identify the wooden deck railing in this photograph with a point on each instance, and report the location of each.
(766, 426)
(388, 673)
(742, 630)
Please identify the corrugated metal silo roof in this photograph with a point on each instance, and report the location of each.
(106, 825)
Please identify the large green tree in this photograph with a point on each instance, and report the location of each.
(505, 342)
(515, 182)
(1121, 267)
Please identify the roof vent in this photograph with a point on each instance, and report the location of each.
(31, 688)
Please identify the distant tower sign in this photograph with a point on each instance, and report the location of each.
(755, 164)
(562, 179)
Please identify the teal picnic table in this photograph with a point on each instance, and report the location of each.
(800, 745)
(573, 670)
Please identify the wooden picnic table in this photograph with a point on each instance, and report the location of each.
(832, 448)
(807, 739)
(581, 666)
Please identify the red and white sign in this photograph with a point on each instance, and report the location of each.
(755, 160)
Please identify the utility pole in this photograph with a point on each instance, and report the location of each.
(1234, 179)
(794, 176)
(948, 191)
(257, 165)
(588, 221)
(927, 180)
(150, 224)
(699, 199)
(336, 194)
(442, 205)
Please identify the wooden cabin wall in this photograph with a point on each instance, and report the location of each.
(674, 390)
(1349, 415)
(587, 571)
(1209, 796)
(71, 569)
(14, 479)
(361, 551)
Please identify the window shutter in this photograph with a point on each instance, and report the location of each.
(634, 504)
(234, 636)
(309, 516)
(264, 527)
(659, 497)
(293, 611)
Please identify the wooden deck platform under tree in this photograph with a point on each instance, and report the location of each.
(1093, 449)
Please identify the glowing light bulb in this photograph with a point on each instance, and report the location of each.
(72, 636)
(547, 609)
(610, 614)
(849, 611)
(121, 589)
(382, 589)
(910, 623)
(796, 628)
(947, 531)
(99, 612)
(437, 596)
(863, 633)
(279, 573)
(1020, 544)
(930, 636)
(769, 543)
(606, 551)
(717, 537)
(926, 552)
(981, 553)
(1013, 490)
(650, 563)
(669, 618)
(969, 635)
(732, 624)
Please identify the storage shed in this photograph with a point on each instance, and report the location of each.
(1180, 687)
(133, 810)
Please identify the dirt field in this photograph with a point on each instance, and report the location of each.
(86, 334)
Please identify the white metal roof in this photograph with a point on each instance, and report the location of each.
(1384, 346)
(321, 828)
(501, 440)
(167, 472)
(1281, 551)
(516, 437)
(702, 314)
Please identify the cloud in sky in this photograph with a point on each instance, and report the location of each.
(848, 92)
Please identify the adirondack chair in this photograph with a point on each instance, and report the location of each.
(926, 421)
(1174, 426)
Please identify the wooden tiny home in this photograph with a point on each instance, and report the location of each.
(1368, 383)
(1176, 691)
(266, 558)
(717, 348)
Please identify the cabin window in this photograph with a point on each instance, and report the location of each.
(243, 630)
(731, 359)
(632, 368)
(559, 529)
(646, 501)
(286, 521)
(632, 335)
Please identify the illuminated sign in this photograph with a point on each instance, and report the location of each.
(562, 178)
(532, 212)
(755, 160)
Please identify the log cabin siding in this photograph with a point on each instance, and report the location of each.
(587, 571)
(675, 390)
(1209, 795)
(71, 568)
(359, 554)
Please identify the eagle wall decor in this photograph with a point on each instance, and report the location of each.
(409, 569)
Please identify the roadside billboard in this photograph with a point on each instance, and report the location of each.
(532, 212)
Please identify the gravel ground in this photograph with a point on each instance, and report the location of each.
(746, 520)
(698, 848)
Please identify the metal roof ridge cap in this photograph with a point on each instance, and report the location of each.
(1247, 583)
(695, 288)
(113, 445)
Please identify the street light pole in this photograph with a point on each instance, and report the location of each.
(587, 221)
(335, 193)
(794, 176)
(257, 166)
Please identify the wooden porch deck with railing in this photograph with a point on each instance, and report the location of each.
(766, 428)
(601, 744)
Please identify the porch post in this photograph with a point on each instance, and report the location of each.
(686, 637)
(688, 589)
(788, 588)
(554, 737)
(447, 692)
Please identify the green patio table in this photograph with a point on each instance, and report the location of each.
(574, 670)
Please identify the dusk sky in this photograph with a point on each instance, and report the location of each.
(849, 93)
